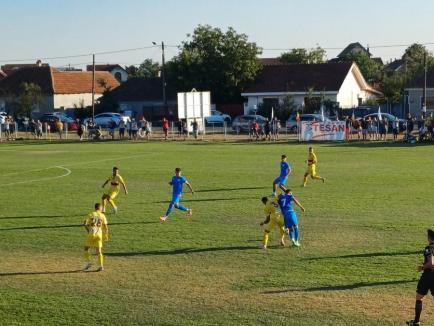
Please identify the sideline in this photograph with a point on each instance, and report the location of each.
(67, 172)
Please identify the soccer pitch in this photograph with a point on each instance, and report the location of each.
(362, 235)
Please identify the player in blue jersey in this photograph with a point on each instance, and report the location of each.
(177, 182)
(280, 181)
(289, 215)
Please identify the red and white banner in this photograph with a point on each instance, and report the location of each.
(330, 130)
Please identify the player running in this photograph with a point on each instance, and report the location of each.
(274, 218)
(311, 168)
(426, 281)
(115, 185)
(285, 170)
(177, 182)
(97, 231)
(289, 215)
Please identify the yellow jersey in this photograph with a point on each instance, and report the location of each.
(95, 222)
(311, 160)
(115, 182)
(272, 209)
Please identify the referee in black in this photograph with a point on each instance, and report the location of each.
(426, 281)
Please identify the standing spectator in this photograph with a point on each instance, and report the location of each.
(375, 128)
(184, 128)
(395, 129)
(276, 127)
(267, 130)
(134, 129)
(130, 128)
(121, 129)
(112, 127)
(255, 127)
(165, 128)
(179, 127)
(347, 128)
(147, 126)
(370, 128)
(195, 127)
(382, 129)
(7, 127)
(364, 125)
(59, 128)
(32, 128)
(80, 129)
(39, 129)
(410, 125)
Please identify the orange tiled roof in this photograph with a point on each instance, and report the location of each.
(78, 82)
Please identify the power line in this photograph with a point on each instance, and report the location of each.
(82, 55)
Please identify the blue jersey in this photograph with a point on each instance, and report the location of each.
(285, 203)
(284, 169)
(177, 183)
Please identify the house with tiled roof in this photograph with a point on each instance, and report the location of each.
(60, 89)
(340, 82)
(116, 70)
(10, 68)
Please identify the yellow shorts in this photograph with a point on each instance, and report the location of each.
(112, 193)
(311, 169)
(94, 241)
(276, 222)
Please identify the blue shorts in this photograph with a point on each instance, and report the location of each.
(290, 219)
(176, 198)
(281, 180)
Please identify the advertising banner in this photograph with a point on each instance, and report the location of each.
(317, 130)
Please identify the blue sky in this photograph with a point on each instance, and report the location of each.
(47, 28)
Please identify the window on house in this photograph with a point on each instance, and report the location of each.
(118, 76)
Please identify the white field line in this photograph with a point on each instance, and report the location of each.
(64, 168)
(67, 172)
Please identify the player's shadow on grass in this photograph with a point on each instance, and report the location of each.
(231, 189)
(207, 199)
(69, 226)
(45, 272)
(38, 216)
(179, 251)
(342, 287)
(365, 255)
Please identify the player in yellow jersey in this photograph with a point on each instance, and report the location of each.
(311, 168)
(97, 231)
(273, 218)
(115, 185)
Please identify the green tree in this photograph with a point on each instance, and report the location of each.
(222, 62)
(304, 56)
(414, 60)
(391, 86)
(282, 110)
(370, 69)
(147, 69)
(28, 98)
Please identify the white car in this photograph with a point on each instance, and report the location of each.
(103, 119)
(218, 117)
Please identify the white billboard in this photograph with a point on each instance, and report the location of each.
(194, 105)
(318, 130)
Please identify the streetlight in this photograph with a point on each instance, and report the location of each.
(163, 77)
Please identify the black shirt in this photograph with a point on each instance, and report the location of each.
(427, 253)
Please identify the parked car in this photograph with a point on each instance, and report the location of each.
(103, 119)
(291, 123)
(390, 119)
(218, 117)
(242, 123)
(360, 111)
(51, 118)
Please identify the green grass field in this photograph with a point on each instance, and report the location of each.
(362, 235)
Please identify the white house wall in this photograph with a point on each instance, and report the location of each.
(124, 74)
(350, 92)
(69, 101)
